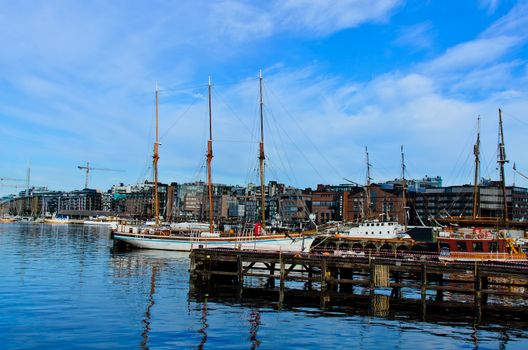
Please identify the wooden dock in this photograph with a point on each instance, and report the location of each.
(420, 276)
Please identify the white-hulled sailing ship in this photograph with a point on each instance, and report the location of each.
(166, 238)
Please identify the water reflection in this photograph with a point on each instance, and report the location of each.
(503, 321)
(254, 321)
(150, 303)
(63, 287)
(205, 325)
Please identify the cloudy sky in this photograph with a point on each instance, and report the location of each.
(77, 81)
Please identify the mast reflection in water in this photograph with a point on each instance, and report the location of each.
(63, 287)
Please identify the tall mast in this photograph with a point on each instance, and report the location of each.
(367, 188)
(28, 176)
(476, 152)
(209, 159)
(261, 156)
(155, 158)
(501, 161)
(404, 200)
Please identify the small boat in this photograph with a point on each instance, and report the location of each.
(7, 219)
(101, 222)
(375, 229)
(58, 220)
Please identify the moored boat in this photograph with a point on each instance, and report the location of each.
(58, 220)
(165, 239)
(199, 235)
(6, 219)
(374, 229)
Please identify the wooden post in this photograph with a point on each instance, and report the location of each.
(478, 294)
(484, 285)
(424, 281)
(372, 277)
(192, 265)
(271, 280)
(310, 275)
(323, 274)
(396, 291)
(333, 274)
(440, 292)
(324, 284)
(282, 277)
(240, 270)
(424, 290)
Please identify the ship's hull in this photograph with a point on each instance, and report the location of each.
(57, 222)
(8, 220)
(296, 243)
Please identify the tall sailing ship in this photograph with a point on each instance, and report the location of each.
(158, 236)
(479, 237)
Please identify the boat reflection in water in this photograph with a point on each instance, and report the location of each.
(150, 303)
(384, 307)
(255, 311)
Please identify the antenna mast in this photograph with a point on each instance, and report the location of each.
(155, 159)
(209, 159)
(404, 200)
(476, 152)
(261, 156)
(501, 161)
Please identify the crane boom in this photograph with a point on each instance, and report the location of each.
(518, 172)
(88, 168)
(9, 179)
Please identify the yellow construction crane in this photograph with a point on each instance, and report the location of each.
(88, 168)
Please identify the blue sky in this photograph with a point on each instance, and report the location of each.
(77, 84)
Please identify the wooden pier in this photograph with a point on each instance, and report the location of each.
(478, 285)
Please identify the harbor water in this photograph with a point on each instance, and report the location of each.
(63, 286)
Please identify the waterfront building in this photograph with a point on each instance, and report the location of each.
(326, 204)
(294, 206)
(457, 201)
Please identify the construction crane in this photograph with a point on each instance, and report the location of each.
(518, 172)
(2, 179)
(88, 168)
(17, 180)
(9, 179)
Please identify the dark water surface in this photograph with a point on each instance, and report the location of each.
(63, 287)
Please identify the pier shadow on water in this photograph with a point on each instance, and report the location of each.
(377, 305)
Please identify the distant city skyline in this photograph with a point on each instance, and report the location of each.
(77, 85)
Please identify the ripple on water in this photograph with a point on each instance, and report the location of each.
(63, 287)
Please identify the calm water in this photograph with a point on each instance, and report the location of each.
(63, 287)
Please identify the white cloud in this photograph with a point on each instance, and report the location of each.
(476, 53)
(513, 23)
(417, 36)
(243, 20)
(489, 5)
(322, 17)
